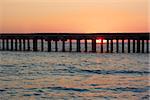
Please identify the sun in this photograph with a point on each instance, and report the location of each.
(99, 40)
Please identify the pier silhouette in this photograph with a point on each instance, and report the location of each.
(23, 41)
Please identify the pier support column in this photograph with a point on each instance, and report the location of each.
(42, 44)
(101, 45)
(35, 44)
(128, 45)
(12, 45)
(147, 46)
(3, 44)
(107, 46)
(111, 45)
(85, 45)
(78, 46)
(70, 45)
(20, 45)
(7, 44)
(24, 45)
(28, 44)
(143, 45)
(93, 45)
(56, 46)
(49, 46)
(122, 45)
(117, 45)
(16, 45)
(138, 46)
(63, 45)
(133, 45)
(0, 44)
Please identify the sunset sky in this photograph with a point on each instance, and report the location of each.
(74, 16)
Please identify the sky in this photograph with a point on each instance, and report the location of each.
(74, 16)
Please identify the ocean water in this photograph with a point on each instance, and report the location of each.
(74, 76)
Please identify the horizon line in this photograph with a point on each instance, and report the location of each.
(66, 32)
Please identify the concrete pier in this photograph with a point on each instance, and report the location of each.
(111, 42)
(143, 46)
(12, 45)
(7, 44)
(86, 46)
(147, 43)
(56, 46)
(138, 46)
(63, 45)
(49, 46)
(107, 46)
(16, 45)
(28, 42)
(42, 44)
(122, 45)
(35, 45)
(102, 45)
(117, 45)
(70, 45)
(128, 45)
(124, 42)
(24, 45)
(93, 45)
(78, 45)
(20, 45)
(133, 45)
(3, 45)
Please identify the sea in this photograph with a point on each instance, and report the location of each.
(74, 76)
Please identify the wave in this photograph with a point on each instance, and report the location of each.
(103, 72)
(118, 89)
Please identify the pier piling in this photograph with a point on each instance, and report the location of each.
(111, 46)
(93, 45)
(16, 45)
(49, 46)
(133, 45)
(85, 45)
(42, 44)
(107, 46)
(128, 45)
(3, 44)
(139, 42)
(122, 45)
(35, 45)
(12, 45)
(147, 46)
(78, 45)
(101, 45)
(63, 45)
(56, 46)
(7, 44)
(143, 46)
(20, 45)
(24, 45)
(117, 45)
(138, 46)
(70, 45)
(28, 42)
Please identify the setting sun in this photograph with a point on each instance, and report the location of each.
(100, 40)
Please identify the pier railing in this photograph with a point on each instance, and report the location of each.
(22, 42)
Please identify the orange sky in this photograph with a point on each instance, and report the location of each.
(74, 16)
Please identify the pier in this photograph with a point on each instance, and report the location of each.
(24, 42)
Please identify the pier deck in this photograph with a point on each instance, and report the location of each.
(22, 41)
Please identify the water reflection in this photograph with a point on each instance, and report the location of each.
(73, 76)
